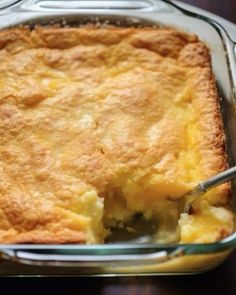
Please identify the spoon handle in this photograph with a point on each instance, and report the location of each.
(218, 179)
(205, 186)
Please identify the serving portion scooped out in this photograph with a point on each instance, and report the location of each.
(101, 124)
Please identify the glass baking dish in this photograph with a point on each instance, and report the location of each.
(129, 259)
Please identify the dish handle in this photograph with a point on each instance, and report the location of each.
(39, 258)
(90, 5)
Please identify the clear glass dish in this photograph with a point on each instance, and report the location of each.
(128, 259)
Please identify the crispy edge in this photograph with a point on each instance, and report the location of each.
(213, 141)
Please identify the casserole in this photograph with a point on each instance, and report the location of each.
(140, 258)
(69, 175)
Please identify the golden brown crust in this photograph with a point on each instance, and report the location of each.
(195, 55)
(212, 144)
(101, 110)
(63, 236)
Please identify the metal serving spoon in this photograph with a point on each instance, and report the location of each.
(145, 230)
(204, 186)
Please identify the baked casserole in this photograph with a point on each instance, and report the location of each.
(99, 124)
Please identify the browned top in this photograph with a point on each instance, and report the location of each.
(120, 113)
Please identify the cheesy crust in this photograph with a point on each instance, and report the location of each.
(98, 124)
